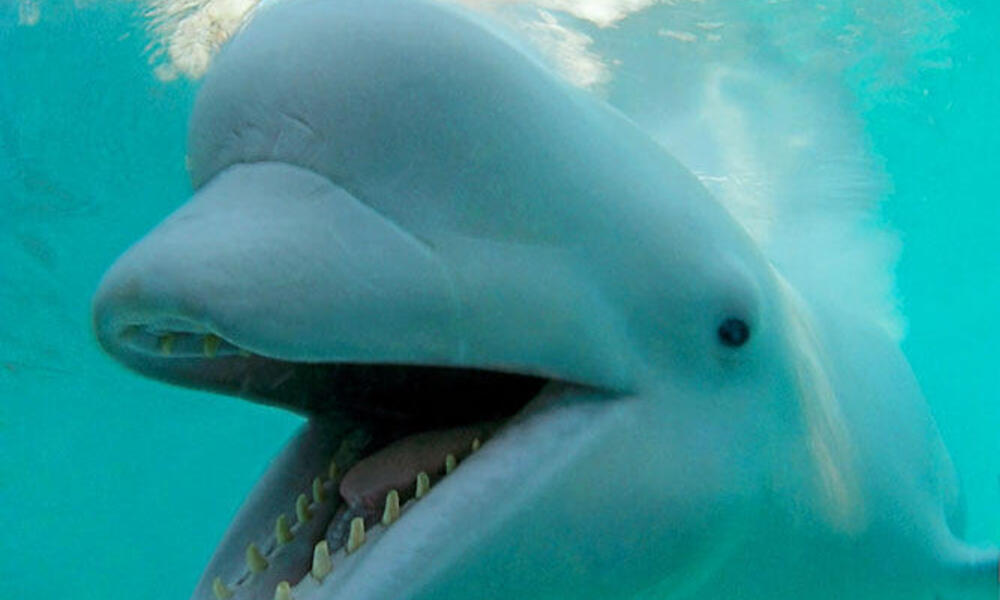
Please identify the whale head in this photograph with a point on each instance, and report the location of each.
(537, 358)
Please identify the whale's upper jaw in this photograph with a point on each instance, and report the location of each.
(273, 260)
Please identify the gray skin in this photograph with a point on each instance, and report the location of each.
(398, 182)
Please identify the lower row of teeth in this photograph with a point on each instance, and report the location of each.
(322, 560)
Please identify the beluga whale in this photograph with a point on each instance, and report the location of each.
(537, 358)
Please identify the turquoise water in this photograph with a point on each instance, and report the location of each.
(111, 484)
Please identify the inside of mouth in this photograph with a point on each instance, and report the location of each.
(410, 427)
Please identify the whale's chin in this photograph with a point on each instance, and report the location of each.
(382, 435)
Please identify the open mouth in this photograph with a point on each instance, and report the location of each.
(381, 436)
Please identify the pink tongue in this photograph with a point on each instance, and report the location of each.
(396, 466)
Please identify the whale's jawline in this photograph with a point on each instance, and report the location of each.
(424, 394)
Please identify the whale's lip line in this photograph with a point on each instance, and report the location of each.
(167, 337)
(177, 346)
(186, 355)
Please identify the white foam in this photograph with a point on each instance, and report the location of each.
(29, 12)
(188, 33)
(603, 13)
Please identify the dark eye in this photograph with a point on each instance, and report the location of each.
(734, 332)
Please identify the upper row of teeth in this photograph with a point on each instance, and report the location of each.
(207, 345)
(322, 562)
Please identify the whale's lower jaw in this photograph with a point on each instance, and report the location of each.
(319, 537)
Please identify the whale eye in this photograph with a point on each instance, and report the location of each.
(734, 332)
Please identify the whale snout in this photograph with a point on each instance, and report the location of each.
(277, 260)
(272, 268)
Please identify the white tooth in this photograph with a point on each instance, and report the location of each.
(166, 344)
(128, 334)
(476, 444)
(220, 590)
(449, 463)
(391, 512)
(423, 484)
(283, 591)
(322, 565)
(210, 345)
(357, 536)
(319, 494)
(332, 470)
(302, 508)
(282, 532)
(255, 560)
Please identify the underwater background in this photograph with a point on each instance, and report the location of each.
(112, 485)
